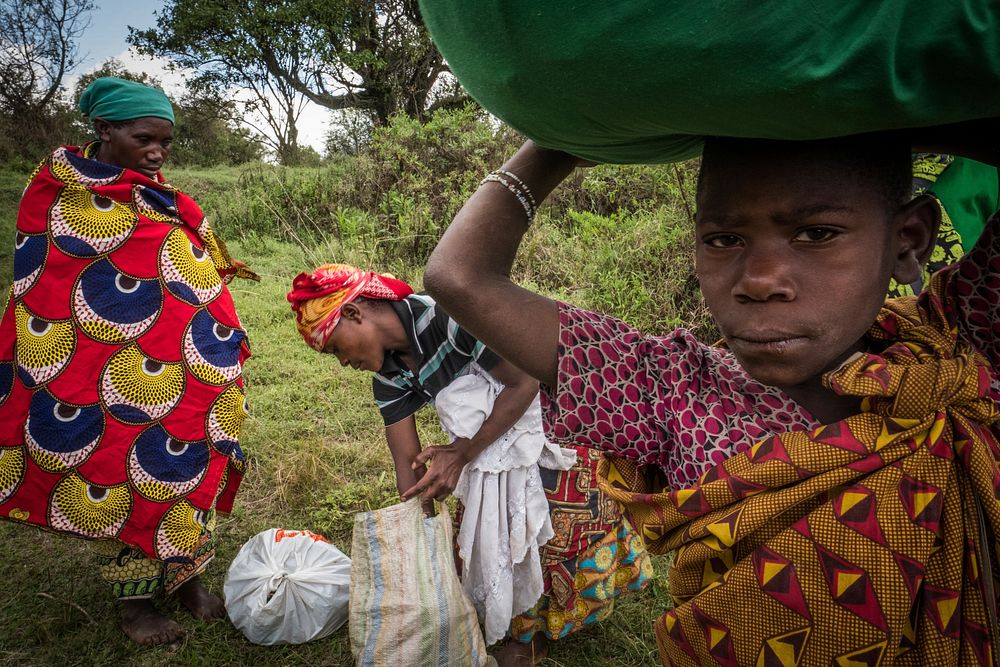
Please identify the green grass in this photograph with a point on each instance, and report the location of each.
(318, 457)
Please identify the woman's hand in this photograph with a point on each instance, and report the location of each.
(446, 464)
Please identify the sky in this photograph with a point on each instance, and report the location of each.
(106, 38)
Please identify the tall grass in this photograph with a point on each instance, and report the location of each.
(616, 239)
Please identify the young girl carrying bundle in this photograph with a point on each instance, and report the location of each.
(828, 478)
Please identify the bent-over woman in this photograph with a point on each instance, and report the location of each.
(374, 322)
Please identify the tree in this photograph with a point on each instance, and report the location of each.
(349, 134)
(374, 56)
(371, 55)
(38, 45)
(37, 48)
(208, 131)
(217, 39)
(270, 107)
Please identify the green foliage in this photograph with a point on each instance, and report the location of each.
(208, 133)
(394, 197)
(24, 140)
(389, 204)
(39, 47)
(303, 156)
(634, 260)
(349, 132)
(373, 58)
(635, 266)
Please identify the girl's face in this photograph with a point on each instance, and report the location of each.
(793, 260)
(142, 145)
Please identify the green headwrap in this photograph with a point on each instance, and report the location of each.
(112, 98)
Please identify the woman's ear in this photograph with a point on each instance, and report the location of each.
(103, 129)
(351, 311)
(915, 230)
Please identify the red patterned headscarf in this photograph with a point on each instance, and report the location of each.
(318, 297)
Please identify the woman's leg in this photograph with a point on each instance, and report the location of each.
(184, 581)
(134, 579)
(201, 602)
(518, 653)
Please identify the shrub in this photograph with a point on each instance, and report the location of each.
(614, 238)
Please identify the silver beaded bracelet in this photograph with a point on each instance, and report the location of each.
(524, 188)
(517, 188)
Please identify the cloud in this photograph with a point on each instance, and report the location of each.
(173, 81)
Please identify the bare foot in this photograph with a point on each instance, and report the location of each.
(202, 604)
(146, 626)
(523, 654)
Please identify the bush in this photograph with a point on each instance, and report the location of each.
(25, 141)
(613, 238)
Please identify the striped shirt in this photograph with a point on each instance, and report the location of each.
(441, 350)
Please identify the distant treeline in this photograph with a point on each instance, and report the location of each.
(366, 61)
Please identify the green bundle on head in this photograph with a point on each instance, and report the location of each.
(644, 80)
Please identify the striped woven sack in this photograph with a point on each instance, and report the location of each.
(407, 605)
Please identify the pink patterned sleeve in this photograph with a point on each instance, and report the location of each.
(668, 401)
(974, 291)
(604, 396)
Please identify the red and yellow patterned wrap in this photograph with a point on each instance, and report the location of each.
(318, 297)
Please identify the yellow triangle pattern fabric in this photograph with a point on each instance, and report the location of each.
(801, 554)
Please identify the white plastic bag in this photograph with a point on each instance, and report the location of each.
(287, 587)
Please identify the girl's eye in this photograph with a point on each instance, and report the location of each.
(816, 234)
(722, 241)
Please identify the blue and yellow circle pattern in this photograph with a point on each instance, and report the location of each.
(179, 530)
(89, 509)
(113, 307)
(43, 346)
(225, 419)
(138, 389)
(11, 471)
(187, 269)
(85, 224)
(212, 349)
(162, 467)
(61, 436)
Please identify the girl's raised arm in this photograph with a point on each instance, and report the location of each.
(468, 273)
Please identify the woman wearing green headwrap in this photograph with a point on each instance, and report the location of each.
(121, 395)
(139, 143)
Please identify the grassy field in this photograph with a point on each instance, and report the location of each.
(317, 448)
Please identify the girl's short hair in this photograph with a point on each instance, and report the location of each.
(879, 161)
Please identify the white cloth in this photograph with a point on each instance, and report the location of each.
(506, 517)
